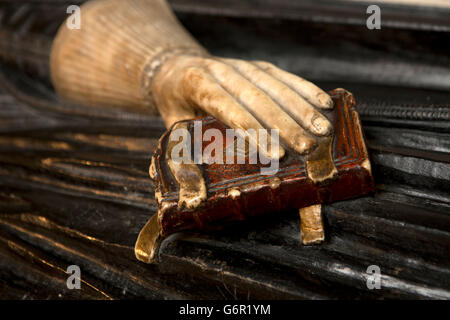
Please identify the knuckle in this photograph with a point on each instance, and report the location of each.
(228, 60)
(215, 66)
(208, 62)
(299, 80)
(191, 81)
(192, 74)
(264, 64)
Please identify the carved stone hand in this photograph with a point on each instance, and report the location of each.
(243, 95)
(134, 54)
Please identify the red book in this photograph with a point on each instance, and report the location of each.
(238, 191)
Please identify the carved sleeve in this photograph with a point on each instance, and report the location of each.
(121, 44)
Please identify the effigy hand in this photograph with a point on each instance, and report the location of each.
(243, 95)
(135, 55)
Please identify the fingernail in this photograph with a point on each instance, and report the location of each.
(325, 100)
(321, 126)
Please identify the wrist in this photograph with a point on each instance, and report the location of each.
(167, 59)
